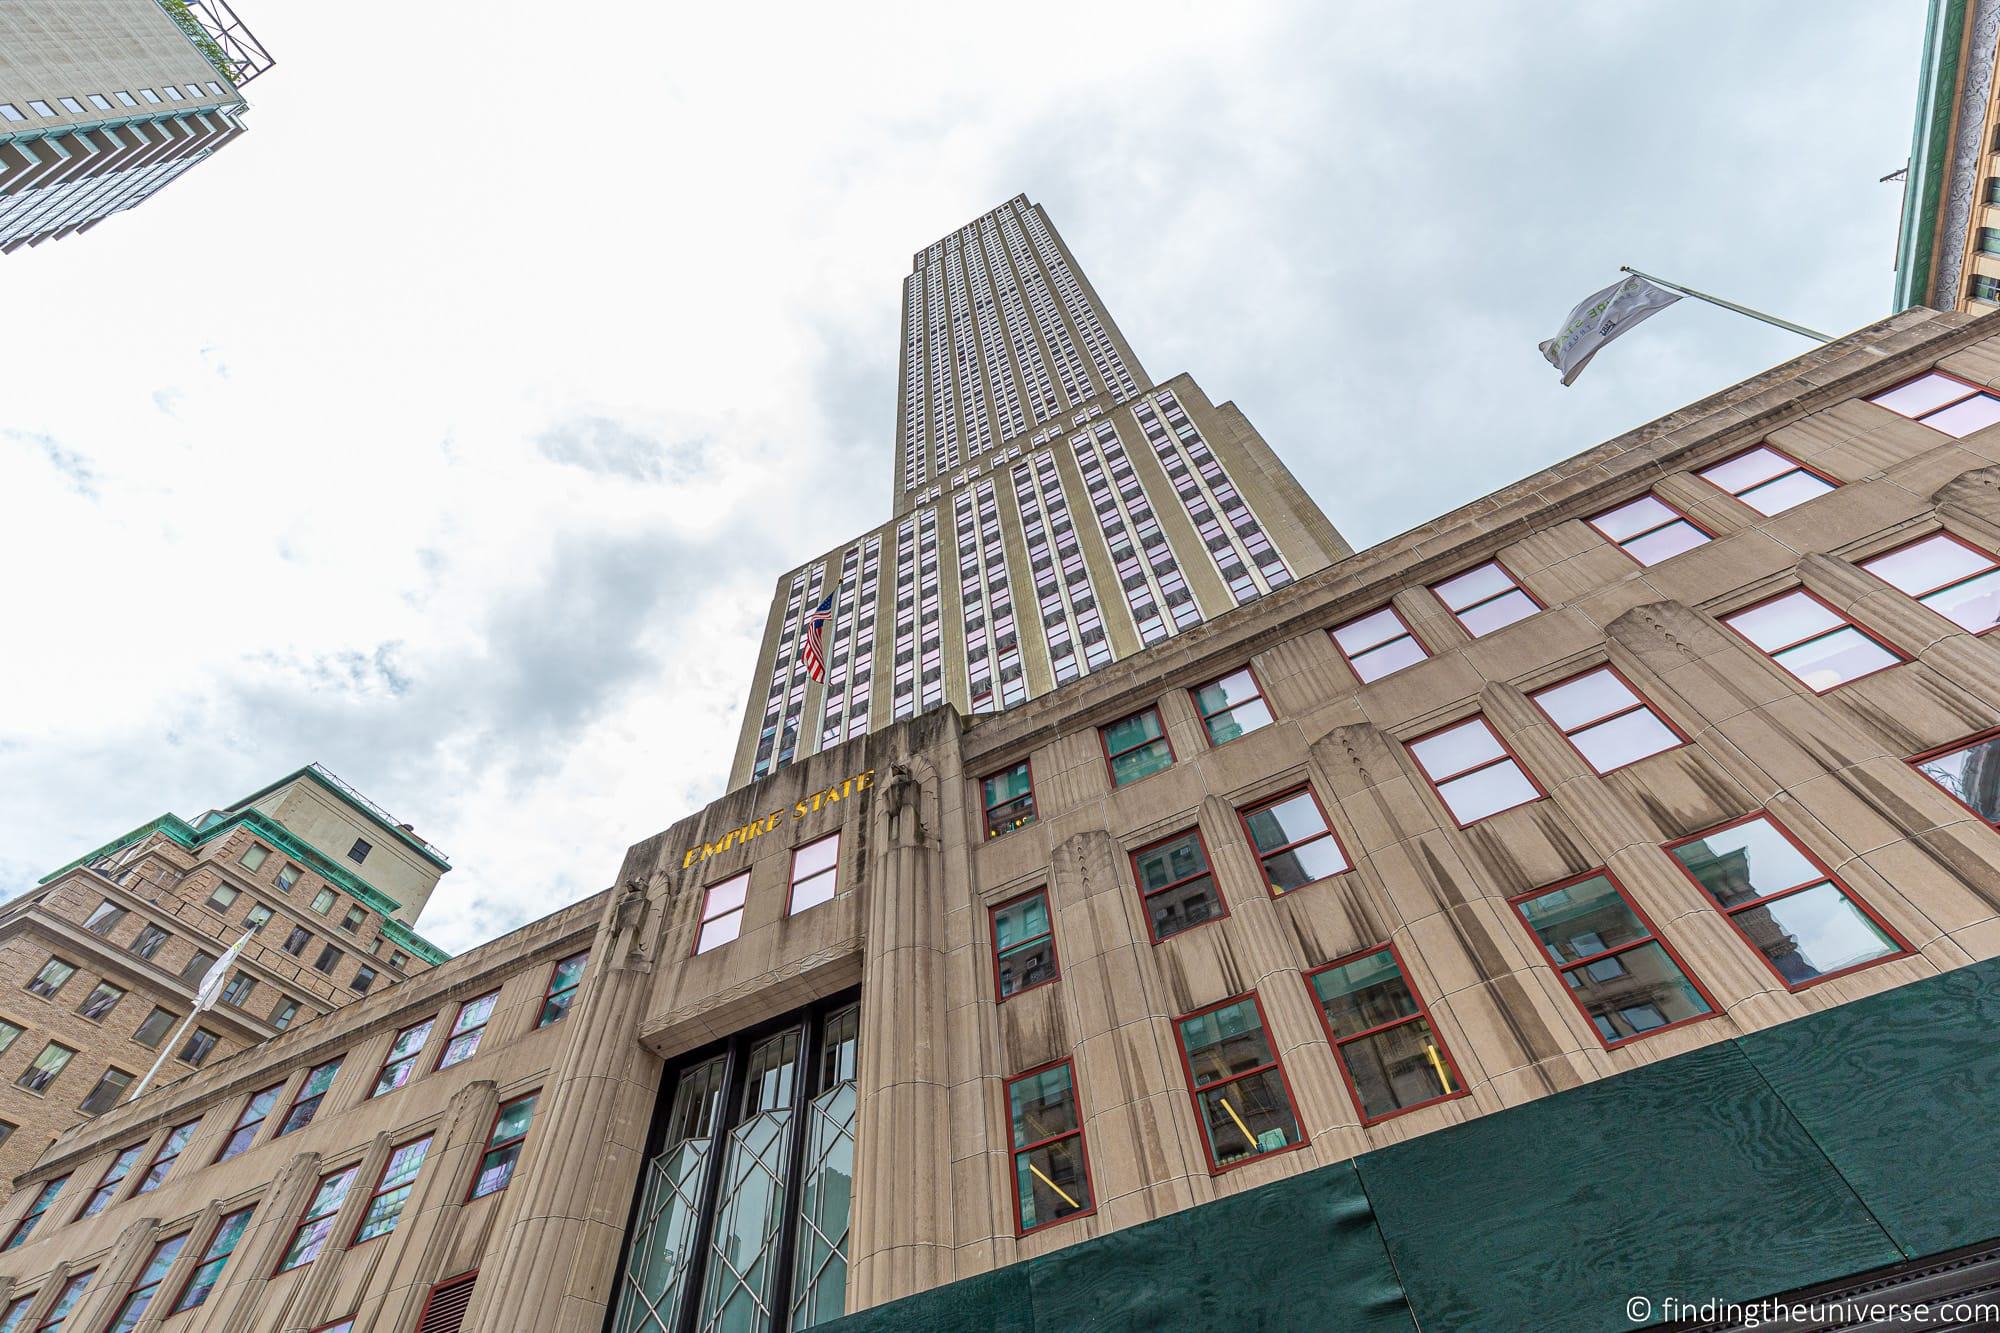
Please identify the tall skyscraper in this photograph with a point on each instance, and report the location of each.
(1056, 509)
(105, 102)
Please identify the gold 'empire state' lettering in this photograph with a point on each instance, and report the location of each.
(736, 837)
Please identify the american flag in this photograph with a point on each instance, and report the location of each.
(814, 652)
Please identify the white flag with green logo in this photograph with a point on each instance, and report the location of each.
(1601, 317)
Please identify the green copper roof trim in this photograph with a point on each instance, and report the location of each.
(1930, 152)
(401, 934)
(334, 786)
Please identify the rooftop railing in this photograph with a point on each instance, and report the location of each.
(221, 37)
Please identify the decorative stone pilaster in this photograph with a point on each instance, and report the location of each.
(200, 1232)
(114, 1274)
(308, 1306)
(426, 1227)
(249, 1269)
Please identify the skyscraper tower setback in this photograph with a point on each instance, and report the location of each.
(1056, 509)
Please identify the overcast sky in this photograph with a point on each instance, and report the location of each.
(452, 427)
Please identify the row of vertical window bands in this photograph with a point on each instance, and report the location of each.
(462, 1041)
(1488, 597)
(11, 114)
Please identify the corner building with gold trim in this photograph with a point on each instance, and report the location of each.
(1574, 910)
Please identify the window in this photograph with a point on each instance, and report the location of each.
(163, 1161)
(305, 1105)
(329, 957)
(1473, 773)
(1051, 1169)
(124, 98)
(103, 998)
(1176, 888)
(1231, 707)
(239, 988)
(309, 1237)
(147, 1284)
(1969, 772)
(1240, 1094)
(286, 1011)
(462, 1043)
(10, 112)
(107, 1184)
(364, 977)
(51, 978)
(198, 1048)
(46, 1067)
(1136, 747)
(296, 942)
(397, 958)
(1390, 1054)
(1649, 530)
(351, 922)
(253, 857)
(1807, 924)
(568, 975)
(244, 1132)
(223, 897)
(155, 1029)
(214, 88)
(149, 96)
(197, 967)
(1294, 844)
(1984, 287)
(288, 877)
(815, 873)
(1953, 578)
(148, 941)
(359, 851)
(8, 1032)
(110, 1087)
(1624, 978)
(1485, 599)
(1377, 644)
(42, 109)
(722, 913)
(71, 105)
(30, 1219)
(104, 918)
(392, 1192)
(1009, 797)
(401, 1060)
(1942, 402)
(66, 1302)
(1606, 721)
(1024, 944)
(323, 901)
(1766, 480)
(7, 1128)
(207, 1274)
(16, 1311)
(257, 916)
(99, 101)
(1989, 241)
(1811, 641)
(503, 1147)
(173, 93)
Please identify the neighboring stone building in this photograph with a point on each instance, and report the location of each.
(1948, 246)
(100, 962)
(1592, 895)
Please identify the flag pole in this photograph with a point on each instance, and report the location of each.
(1784, 324)
(165, 1048)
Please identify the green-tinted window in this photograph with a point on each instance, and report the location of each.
(1239, 1088)
(1622, 978)
(1176, 885)
(1137, 747)
(1024, 944)
(1009, 800)
(1393, 1059)
(1051, 1174)
(1231, 707)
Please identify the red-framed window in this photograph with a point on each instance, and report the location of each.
(1051, 1165)
(1649, 529)
(1944, 402)
(1472, 771)
(1008, 798)
(722, 912)
(171, 1148)
(1294, 842)
(1231, 706)
(337, 1326)
(503, 1146)
(254, 1113)
(316, 1222)
(306, 1102)
(1389, 1051)
(1605, 720)
(1241, 1096)
(1177, 884)
(564, 979)
(32, 1218)
(1815, 644)
(401, 1061)
(462, 1042)
(392, 1191)
(1378, 643)
(444, 1308)
(1625, 980)
(1024, 944)
(1787, 905)
(1135, 747)
(1486, 598)
(107, 1185)
(815, 873)
(1952, 577)
(16, 1311)
(1768, 481)
(1969, 773)
(66, 1303)
(207, 1274)
(147, 1284)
